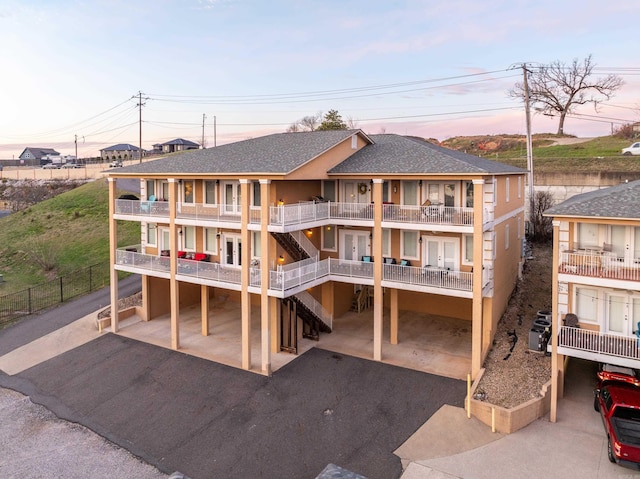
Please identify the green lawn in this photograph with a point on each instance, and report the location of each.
(58, 236)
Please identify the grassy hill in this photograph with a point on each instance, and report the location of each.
(58, 236)
(551, 153)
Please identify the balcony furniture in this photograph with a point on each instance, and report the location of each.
(571, 320)
(367, 259)
(405, 262)
(389, 261)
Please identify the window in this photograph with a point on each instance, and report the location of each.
(187, 191)
(151, 234)
(329, 190)
(329, 238)
(468, 202)
(519, 227)
(386, 242)
(506, 189)
(257, 246)
(210, 192)
(354, 142)
(151, 188)
(211, 240)
(588, 235)
(164, 191)
(586, 302)
(506, 236)
(409, 245)
(409, 192)
(467, 252)
(256, 193)
(519, 186)
(189, 238)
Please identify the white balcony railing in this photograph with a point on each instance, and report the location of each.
(298, 274)
(210, 271)
(316, 308)
(129, 256)
(209, 212)
(432, 214)
(426, 276)
(598, 264)
(302, 213)
(599, 343)
(142, 208)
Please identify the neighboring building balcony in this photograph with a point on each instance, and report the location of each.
(292, 278)
(596, 346)
(598, 264)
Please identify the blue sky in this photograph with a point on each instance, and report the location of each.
(428, 68)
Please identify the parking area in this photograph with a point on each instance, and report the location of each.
(183, 413)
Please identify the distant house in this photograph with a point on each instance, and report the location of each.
(178, 144)
(121, 151)
(40, 155)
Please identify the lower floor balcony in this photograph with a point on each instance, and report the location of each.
(597, 346)
(292, 278)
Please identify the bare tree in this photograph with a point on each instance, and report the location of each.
(558, 88)
(542, 226)
(306, 123)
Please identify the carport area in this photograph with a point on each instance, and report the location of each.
(427, 343)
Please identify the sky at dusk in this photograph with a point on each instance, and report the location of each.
(435, 69)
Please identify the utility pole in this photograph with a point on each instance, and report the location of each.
(214, 132)
(203, 117)
(140, 105)
(527, 110)
(76, 142)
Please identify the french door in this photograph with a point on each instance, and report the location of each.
(232, 250)
(231, 198)
(441, 252)
(354, 244)
(623, 314)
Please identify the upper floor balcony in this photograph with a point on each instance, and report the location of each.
(291, 217)
(600, 264)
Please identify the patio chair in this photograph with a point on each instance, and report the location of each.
(571, 320)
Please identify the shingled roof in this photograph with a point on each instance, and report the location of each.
(621, 201)
(39, 152)
(395, 154)
(283, 153)
(121, 147)
(280, 153)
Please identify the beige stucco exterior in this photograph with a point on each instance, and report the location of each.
(476, 250)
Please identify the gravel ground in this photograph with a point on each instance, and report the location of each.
(513, 377)
(36, 444)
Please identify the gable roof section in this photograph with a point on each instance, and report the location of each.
(121, 147)
(180, 141)
(38, 152)
(395, 154)
(619, 201)
(280, 153)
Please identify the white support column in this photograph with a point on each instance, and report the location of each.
(245, 259)
(377, 270)
(173, 261)
(478, 253)
(113, 246)
(265, 328)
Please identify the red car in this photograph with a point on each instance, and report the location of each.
(612, 373)
(619, 407)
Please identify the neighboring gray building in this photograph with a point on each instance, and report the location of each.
(36, 155)
(121, 151)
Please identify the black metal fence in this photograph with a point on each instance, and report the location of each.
(56, 291)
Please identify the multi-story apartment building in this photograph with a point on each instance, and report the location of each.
(309, 225)
(596, 281)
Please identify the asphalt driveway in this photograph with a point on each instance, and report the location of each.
(206, 420)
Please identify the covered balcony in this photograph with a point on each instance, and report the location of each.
(293, 278)
(597, 346)
(599, 264)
